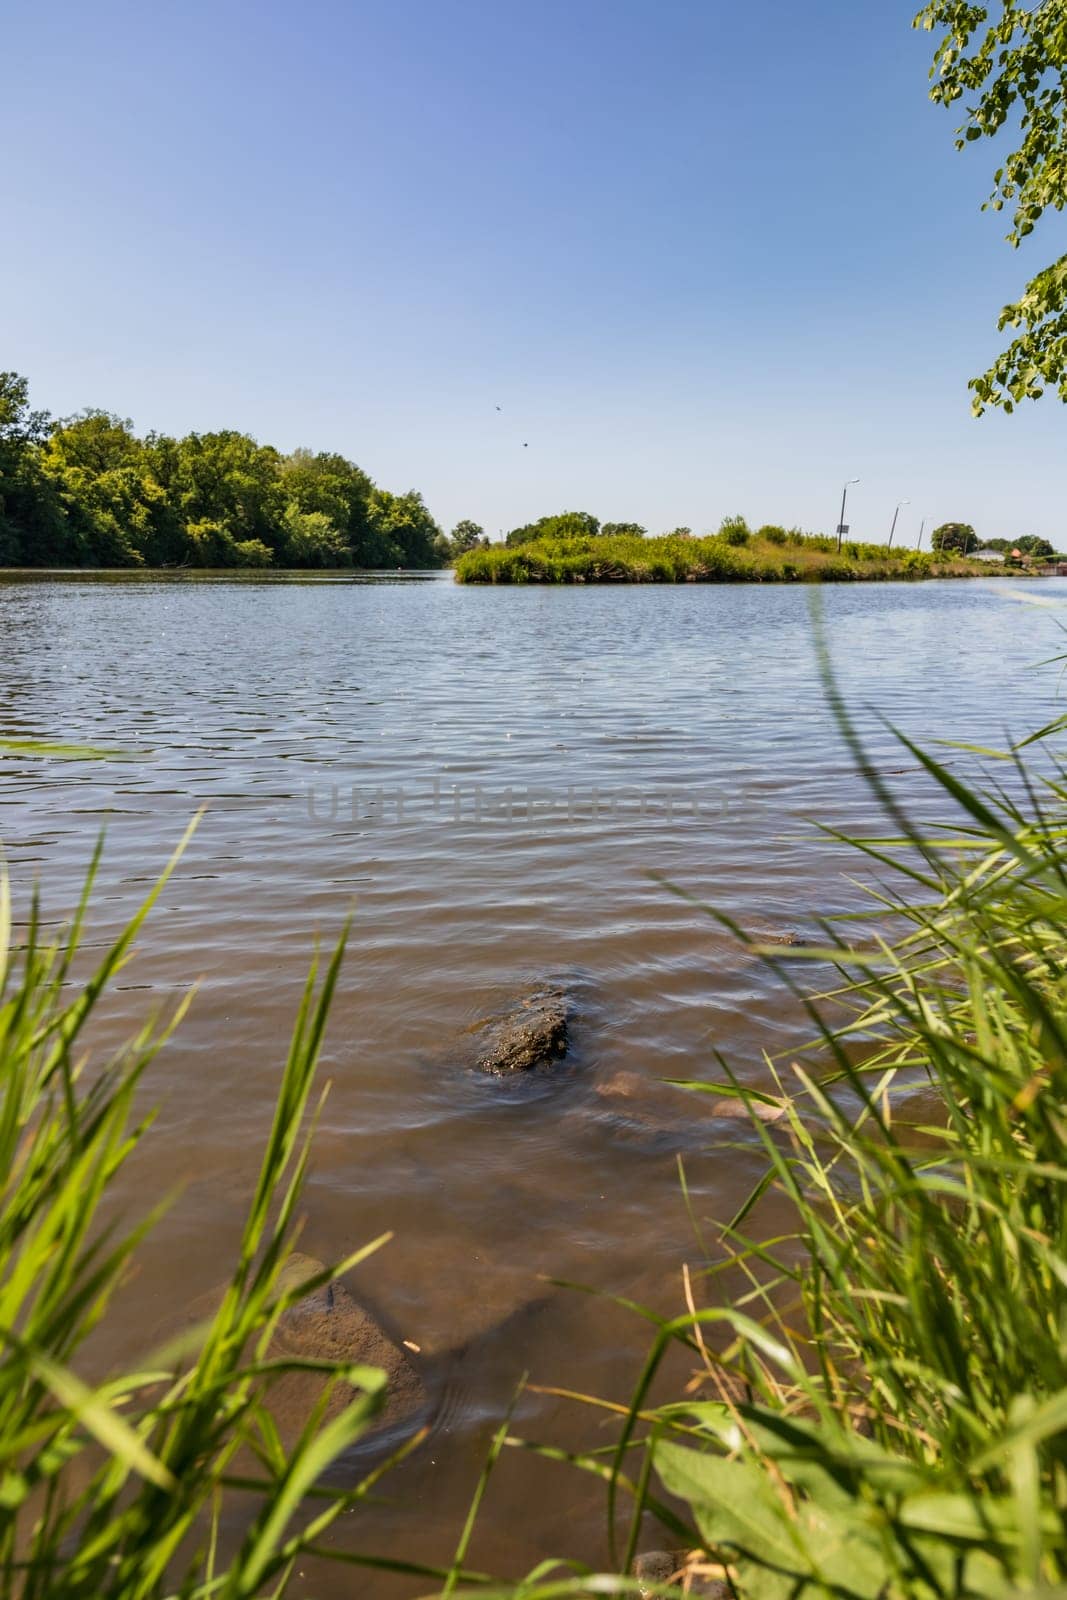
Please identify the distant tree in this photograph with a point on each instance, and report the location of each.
(1006, 60)
(407, 533)
(95, 442)
(958, 537)
(330, 483)
(630, 530)
(116, 512)
(997, 544)
(32, 525)
(311, 540)
(467, 535)
(230, 478)
(1031, 545)
(679, 533)
(565, 525)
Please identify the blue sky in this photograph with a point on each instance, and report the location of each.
(707, 257)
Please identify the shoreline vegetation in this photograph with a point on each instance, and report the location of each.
(733, 555)
(86, 493)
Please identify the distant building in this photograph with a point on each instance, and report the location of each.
(987, 555)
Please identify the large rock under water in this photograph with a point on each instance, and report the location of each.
(532, 1037)
(328, 1325)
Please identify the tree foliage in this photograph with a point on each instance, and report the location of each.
(959, 536)
(87, 491)
(467, 535)
(565, 525)
(629, 530)
(1008, 60)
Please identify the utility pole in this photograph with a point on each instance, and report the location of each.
(896, 514)
(841, 527)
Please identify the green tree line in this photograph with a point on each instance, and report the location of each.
(87, 491)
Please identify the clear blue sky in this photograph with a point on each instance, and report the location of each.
(707, 257)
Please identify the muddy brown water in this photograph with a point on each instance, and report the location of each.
(499, 782)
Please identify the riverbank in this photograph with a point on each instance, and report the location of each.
(774, 557)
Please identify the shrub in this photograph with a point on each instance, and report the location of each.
(773, 534)
(734, 530)
(209, 544)
(252, 553)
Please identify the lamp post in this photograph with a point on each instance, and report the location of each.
(896, 514)
(844, 496)
(922, 529)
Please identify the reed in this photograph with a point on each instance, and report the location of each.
(121, 1488)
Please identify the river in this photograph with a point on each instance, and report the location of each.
(504, 785)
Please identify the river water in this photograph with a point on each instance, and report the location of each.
(504, 785)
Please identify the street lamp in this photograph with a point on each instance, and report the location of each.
(922, 530)
(896, 514)
(844, 496)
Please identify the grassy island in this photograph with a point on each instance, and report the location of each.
(730, 556)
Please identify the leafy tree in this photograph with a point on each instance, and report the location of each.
(227, 477)
(31, 521)
(1031, 545)
(467, 535)
(954, 536)
(311, 540)
(94, 442)
(335, 486)
(406, 529)
(631, 530)
(1010, 61)
(565, 525)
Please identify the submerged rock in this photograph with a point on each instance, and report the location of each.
(665, 1108)
(328, 1325)
(532, 1037)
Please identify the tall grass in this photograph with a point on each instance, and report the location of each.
(122, 1488)
(879, 1400)
(733, 555)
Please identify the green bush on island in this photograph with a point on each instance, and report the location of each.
(88, 491)
(731, 556)
(564, 525)
(734, 530)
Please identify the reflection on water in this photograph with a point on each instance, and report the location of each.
(498, 782)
